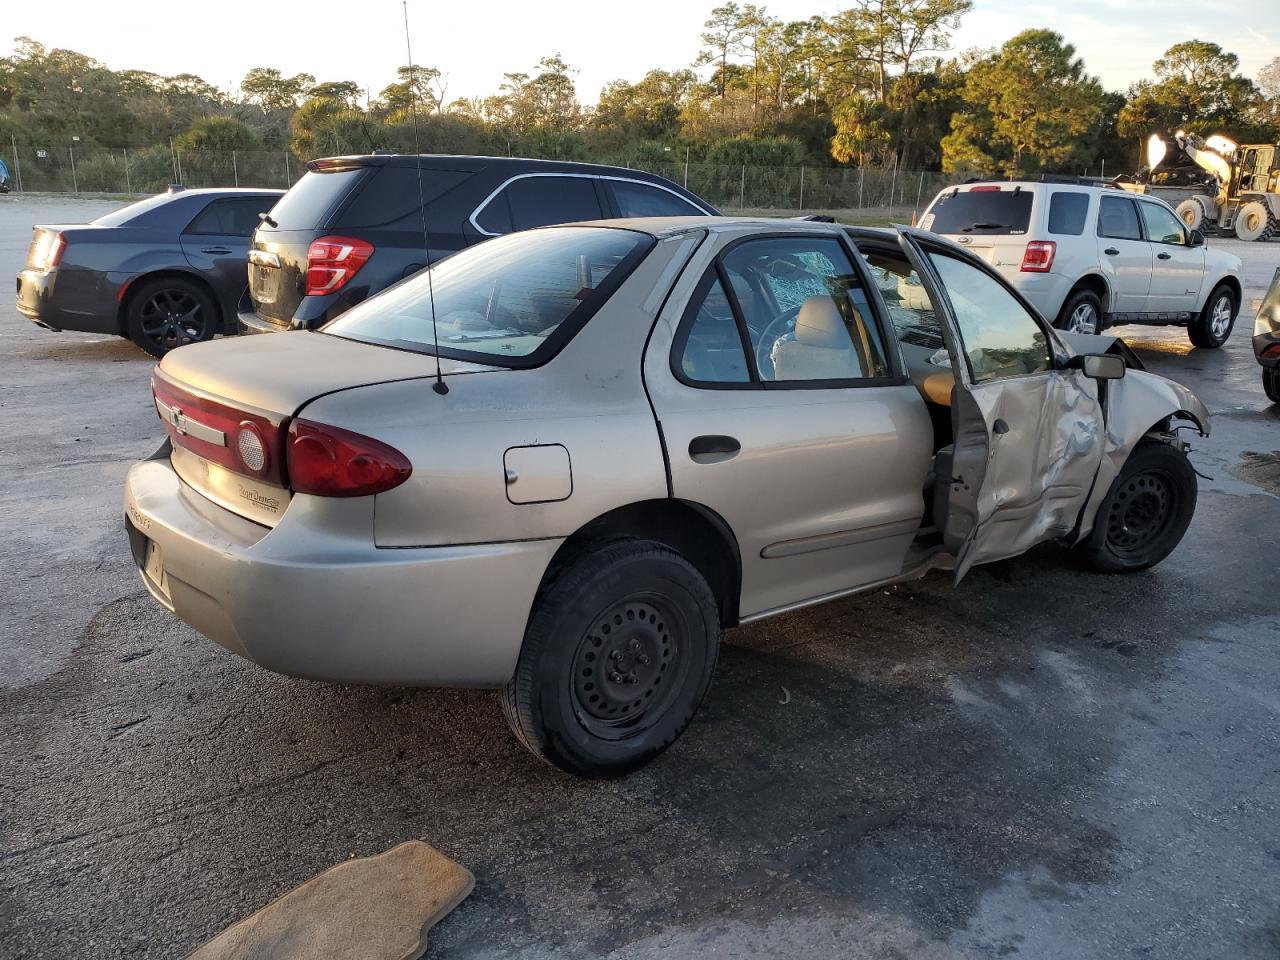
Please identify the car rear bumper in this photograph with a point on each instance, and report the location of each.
(34, 296)
(1263, 341)
(313, 597)
(1047, 292)
(69, 299)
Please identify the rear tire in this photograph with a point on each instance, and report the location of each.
(1145, 513)
(169, 312)
(1271, 383)
(1254, 221)
(618, 654)
(1212, 328)
(1082, 313)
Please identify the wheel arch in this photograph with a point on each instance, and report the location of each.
(693, 530)
(1095, 283)
(1232, 283)
(131, 287)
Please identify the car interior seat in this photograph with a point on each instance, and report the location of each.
(821, 348)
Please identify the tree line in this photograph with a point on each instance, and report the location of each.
(874, 85)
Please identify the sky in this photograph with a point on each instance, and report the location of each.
(476, 43)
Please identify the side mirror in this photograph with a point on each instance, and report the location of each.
(1196, 239)
(1102, 366)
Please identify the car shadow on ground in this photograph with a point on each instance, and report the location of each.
(114, 349)
(898, 752)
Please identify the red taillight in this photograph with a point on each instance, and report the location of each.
(332, 261)
(984, 189)
(328, 462)
(1038, 257)
(1271, 352)
(59, 248)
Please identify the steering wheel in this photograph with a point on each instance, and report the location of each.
(776, 329)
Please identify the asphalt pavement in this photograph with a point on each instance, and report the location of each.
(1042, 763)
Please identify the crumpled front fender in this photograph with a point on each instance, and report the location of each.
(1138, 404)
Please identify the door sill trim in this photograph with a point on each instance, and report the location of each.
(841, 538)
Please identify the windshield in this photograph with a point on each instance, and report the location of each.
(514, 301)
(981, 211)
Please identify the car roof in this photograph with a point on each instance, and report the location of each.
(671, 226)
(224, 192)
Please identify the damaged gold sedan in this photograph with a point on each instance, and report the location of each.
(560, 462)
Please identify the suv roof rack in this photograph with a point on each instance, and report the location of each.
(1076, 180)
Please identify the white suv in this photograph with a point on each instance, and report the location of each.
(1087, 256)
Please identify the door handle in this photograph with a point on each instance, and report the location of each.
(1000, 427)
(712, 448)
(1163, 256)
(1111, 252)
(216, 251)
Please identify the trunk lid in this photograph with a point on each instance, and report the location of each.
(206, 394)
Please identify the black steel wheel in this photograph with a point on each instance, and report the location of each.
(167, 313)
(1146, 512)
(618, 654)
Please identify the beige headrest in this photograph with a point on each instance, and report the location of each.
(819, 324)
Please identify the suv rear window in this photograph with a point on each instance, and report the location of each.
(311, 198)
(513, 301)
(981, 212)
(1067, 212)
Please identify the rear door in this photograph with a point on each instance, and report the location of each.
(216, 242)
(784, 412)
(1123, 248)
(1028, 430)
(1177, 267)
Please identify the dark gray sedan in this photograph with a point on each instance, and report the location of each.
(164, 271)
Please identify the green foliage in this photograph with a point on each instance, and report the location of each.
(871, 85)
(1028, 108)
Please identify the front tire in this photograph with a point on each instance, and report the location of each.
(1271, 383)
(617, 657)
(1082, 313)
(169, 312)
(1213, 326)
(1146, 512)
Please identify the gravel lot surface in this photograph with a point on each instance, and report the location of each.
(1045, 763)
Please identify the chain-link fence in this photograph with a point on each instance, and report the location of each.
(886, 193)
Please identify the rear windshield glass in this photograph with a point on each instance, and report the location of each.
(514, 301)
(982, 212)
(312, 197)
(118, 218)
(1067, 210)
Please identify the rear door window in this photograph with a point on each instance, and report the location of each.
(236, 217)
(540, 201)
(1117, 219)
(642, 200)
(982, 212)
(1067, 212)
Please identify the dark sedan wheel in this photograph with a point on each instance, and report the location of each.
(167, 313)
(1271, 383)
(1146, 511)
(617, 657)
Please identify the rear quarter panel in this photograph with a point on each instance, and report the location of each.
(590, 399)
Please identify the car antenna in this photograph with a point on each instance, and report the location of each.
(439, 386)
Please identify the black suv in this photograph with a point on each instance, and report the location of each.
(353, 226)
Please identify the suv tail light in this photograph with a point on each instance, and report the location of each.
(332, 261)
(1038, 257)
(328, 462)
